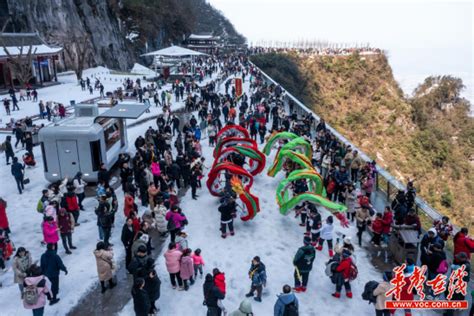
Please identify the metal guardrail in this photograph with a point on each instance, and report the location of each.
(391, 184)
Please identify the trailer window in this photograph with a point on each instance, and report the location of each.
(45, 163)
(111, 135)
(95, 155)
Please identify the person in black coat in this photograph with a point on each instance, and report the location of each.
(141, 300)
(139, 262)
(125, 173)
(127, 240)
(19, 135)
(152, 286)
(17, 170)
(104, 219)
(51, 265)
(227, 210)
(9, 149)
(103, 174)
(211, 295)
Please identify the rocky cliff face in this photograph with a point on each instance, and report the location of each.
(62, 18)
(109, 23)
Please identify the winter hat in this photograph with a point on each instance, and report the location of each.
(245, 307)
(346, 253)
(433, 230)
(347, 240)
(142, 249)
(307, 240)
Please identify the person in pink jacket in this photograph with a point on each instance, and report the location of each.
(173, 265)
(50, 231)
(176, 221)
(186, 270)
(198, 262)
(36, 280)
(156, 172)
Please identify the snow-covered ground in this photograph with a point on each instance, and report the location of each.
(25, 222)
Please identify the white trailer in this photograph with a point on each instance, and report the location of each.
(84, 143)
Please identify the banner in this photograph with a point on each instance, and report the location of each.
(238, 87)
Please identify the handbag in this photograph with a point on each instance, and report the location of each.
(26, 180)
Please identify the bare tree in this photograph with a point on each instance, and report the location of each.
(76, 49)
(20, 63)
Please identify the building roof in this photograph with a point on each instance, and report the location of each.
(15, 41)
(203, 37)
(125, 111)
(174, 51)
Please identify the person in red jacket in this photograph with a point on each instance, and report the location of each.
(387, 221)
(219, 282)
(3, 217)
(377, 229)
(128, 205)
(344, 271)
(463, 243)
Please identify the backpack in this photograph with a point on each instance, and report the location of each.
(331, 267)
(71, 202)
(368, 294)
(30, 294)
(353, 272)
(290, 309)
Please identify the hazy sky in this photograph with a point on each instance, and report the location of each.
(421, 37)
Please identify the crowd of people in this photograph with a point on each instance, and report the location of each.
(168, 159)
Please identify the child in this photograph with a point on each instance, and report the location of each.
(181, 241)
(198, 262)
(314, 224)
(186, 270)
(326, 234)
(219, 282)
(50, 231)
(300, 209)
(377, 228)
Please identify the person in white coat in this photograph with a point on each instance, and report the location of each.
(79, 186)
(327, 235)
(160, 220)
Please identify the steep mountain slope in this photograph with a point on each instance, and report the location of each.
(429, 138)
(119, 30)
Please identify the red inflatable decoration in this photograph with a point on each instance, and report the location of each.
(234, 139)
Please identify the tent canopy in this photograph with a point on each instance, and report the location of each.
(174, 51)
(142, 70)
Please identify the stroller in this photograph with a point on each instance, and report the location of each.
(29, 160)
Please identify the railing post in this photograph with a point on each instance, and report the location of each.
(388, 191)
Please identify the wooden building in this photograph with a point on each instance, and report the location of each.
(44, 58)
(204, 43)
